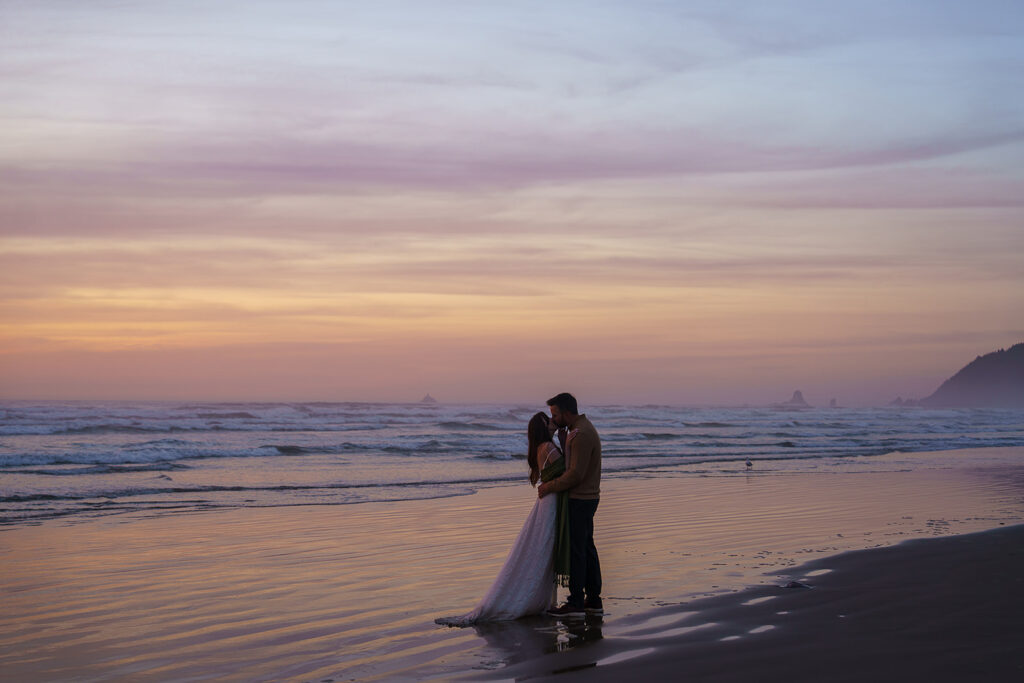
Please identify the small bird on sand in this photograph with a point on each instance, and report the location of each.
(749, 464)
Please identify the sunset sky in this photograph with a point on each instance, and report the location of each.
(639, 202)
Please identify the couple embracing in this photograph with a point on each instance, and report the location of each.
(556, 543)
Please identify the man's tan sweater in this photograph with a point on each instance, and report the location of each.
(582, 478)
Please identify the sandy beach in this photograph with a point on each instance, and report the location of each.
(930, 609)
(693, 566)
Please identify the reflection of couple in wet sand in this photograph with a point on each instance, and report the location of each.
(556, 543)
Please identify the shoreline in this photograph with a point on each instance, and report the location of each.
(69, 461)
(342, 592)
(938, 609)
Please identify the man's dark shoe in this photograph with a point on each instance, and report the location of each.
(567, 610)
(593, 606)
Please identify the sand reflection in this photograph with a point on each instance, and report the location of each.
(526, 639)
(343, 592)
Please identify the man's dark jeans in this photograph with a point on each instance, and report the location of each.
(584, 566)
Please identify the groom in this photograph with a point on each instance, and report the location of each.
(582, 479)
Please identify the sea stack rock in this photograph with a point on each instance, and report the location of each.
(428, 399)
(796, 402)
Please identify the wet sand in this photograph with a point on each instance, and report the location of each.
(350, 592)
(926, 610)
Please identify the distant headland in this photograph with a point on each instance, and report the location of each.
(995, 380)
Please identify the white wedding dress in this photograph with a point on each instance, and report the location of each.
(526, 584)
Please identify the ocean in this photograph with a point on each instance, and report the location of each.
(81, 460)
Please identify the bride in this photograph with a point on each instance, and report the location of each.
(527, 583)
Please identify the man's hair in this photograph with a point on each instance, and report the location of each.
(566, 403)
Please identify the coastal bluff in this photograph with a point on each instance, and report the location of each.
(995, 380)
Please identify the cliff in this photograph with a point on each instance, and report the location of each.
(995, 380)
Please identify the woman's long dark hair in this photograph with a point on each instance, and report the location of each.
(536, 434)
